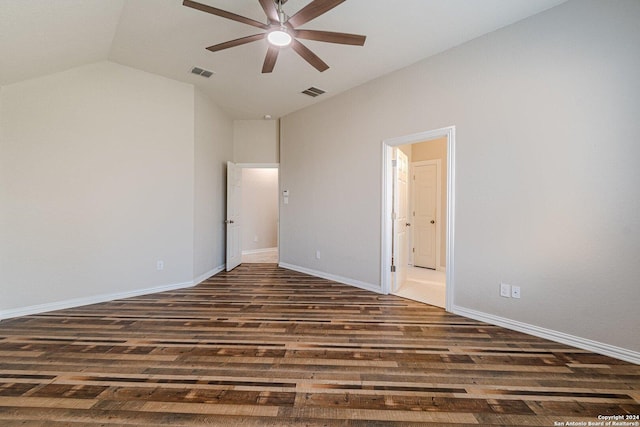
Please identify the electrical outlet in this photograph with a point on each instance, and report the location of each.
(160, 265)
(505, 290)
(317, 254)
(515, 292)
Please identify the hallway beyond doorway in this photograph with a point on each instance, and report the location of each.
(261, 256)
(424, 285)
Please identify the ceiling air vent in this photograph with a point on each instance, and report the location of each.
(201, 72)
(313, 91)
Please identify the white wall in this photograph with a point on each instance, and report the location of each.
(259, 208)
(97, 184)
(213, 148)
(256, 141)
(547, 196)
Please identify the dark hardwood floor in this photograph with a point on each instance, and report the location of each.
(264, 346)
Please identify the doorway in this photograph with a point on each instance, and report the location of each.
(253, 214)
(426, 274)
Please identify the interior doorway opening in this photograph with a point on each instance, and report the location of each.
(252, 214)
(418, 216)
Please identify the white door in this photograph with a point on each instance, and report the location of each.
(400, 218)
(425, 187)
(234, 201)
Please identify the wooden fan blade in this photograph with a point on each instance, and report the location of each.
(309, 56)
(236, 42)
(223, 13)
(270, 59)
(270, 9)
(313, 10)
(331, 37)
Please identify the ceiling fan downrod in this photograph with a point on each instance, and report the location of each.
(281, 15)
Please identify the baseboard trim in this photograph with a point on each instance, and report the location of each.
(333, 277)
(259, 251)
(95, 299)
(201, 278)
(561, 337)
(78, 302)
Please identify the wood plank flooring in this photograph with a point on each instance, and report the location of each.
(264, 346)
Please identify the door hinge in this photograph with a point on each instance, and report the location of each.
(393, 268)
(413, 250)
(394, 163)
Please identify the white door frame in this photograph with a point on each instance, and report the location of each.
(438, 236)
(387, 205)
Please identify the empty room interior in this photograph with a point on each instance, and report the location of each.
(319, 212)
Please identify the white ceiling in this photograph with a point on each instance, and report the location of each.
(39, 37)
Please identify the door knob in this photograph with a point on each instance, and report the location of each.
(228, 221)
(433, 222)
(408, 224)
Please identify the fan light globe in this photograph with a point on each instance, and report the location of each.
(279, 38)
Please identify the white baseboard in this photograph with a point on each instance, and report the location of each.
(259, 251)
(582, 343)
(561, 337)
(95, 299)
(201, 278)
(333, 277)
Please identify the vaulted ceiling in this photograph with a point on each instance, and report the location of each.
(39, 37)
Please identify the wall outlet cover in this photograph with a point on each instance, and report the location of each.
(515, 292)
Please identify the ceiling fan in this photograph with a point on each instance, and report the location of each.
(281, 30)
